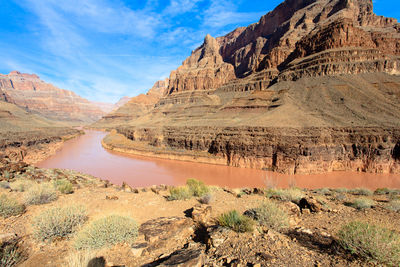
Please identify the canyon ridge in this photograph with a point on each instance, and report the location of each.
(314, 86)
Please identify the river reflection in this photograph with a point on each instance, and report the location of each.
(85, 154)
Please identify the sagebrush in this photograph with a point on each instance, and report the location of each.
(271, 215)
(58, 222)
(40, 194)
(371, 242)
(107, 231)
(10, 207)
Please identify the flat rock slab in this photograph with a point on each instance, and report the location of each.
(165, 235)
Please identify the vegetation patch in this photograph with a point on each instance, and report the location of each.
(361, 192)
(10, 253)
(271, 215)
(206, 199)
(394, 205)
(63, 186)
(58, 222)
(361, 203)
(371, 242)
(236, 222)
(107, 231)
(10, 207)
(22, 185)
(291, 194)
(179, 193)
(40, 194)
(197, 188)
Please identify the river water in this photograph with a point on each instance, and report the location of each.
(86, 154)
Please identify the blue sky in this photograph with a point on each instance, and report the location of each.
(106, 49)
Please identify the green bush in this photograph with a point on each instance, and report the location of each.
(10, 207)
(197, 188)
(179, 193)
(107, 231)
(361, 203)
(236, 222)
(291, 194)
(371, 242)
(63, 186)
(270, 214)
(40, 194)
(394, 205)
(361, 192)
(58, 222)
(22, 185)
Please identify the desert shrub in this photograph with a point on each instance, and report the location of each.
(6, 175)
(40, 194)
(63, 186)
(22, 185)
(10, 254)
(371, 242)
(291, 194)
(394, 205)
(107, 231)
(197, 188)
(361, 192)
(10, 207)
(236, 222)
(179, 193)
(361, 203)
(323, 191)
(58, 222)
(382, 191)
(340, 197)
(271, 215)
(206, 199)
(341, 190)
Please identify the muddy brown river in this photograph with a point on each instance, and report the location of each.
(86, 154)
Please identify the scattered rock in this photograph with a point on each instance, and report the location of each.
(201, 214)
(310, 203)
(112, 198)
(126, 188)
(165, 235)
(186, 258)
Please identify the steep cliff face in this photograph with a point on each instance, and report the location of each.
(314, 86)
(28, 91)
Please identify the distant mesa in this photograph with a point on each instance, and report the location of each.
(29, 91)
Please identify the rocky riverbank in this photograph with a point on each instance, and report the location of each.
(186, 231)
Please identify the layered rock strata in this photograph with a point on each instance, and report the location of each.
(28, 91)
(314, 86)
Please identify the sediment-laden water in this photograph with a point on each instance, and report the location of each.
(85, 154)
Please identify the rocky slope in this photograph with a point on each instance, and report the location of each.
(312, 87)
(30, 137)
(28, 91)
(134, 107)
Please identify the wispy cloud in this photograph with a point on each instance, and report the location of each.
(105, 49)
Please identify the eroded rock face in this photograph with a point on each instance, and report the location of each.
(203, 70)
(312, 87)
(28, 91)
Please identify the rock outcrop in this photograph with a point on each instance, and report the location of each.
(28, 91)
(312, 87)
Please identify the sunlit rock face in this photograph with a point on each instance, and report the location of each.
(29, 91)
(312, 87)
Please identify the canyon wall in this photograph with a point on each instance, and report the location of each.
(28, 91)
(314, 86)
